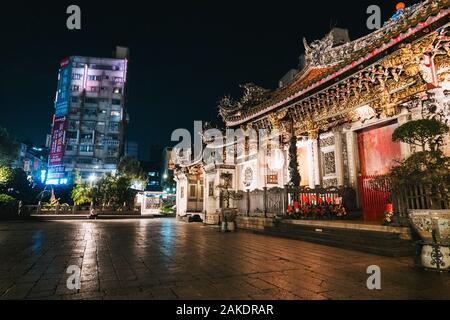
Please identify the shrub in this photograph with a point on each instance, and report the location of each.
(7, 206)
(6, 199)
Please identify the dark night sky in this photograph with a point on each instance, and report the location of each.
(185, 55)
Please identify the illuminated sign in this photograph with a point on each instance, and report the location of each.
(64, 88)
(58, 142)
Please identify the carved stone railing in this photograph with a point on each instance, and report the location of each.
(346, 194)
(419, 197)
(274, 202)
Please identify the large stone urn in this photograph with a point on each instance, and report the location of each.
(433, 226)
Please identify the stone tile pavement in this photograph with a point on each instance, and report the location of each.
(166, 259)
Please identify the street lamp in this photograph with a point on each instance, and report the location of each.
(92, 179)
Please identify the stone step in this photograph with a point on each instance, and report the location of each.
(381, 243)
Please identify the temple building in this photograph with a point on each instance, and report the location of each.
(341, 107)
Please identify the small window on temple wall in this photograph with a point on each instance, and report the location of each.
(192, 191)
(272, 177)
(211, 189)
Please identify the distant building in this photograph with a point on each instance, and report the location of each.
(169, 184)
(153, 171)
(90, 117)
(132, 149)
(160, 170)
(32, 160)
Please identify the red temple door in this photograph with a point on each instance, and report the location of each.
(377, 155)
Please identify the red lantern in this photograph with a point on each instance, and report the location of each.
(389, 207)
(296, 205)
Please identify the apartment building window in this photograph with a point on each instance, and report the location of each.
(115, 113)
(75, 99)
(118, 79)
(84, 161)
(94, 78)
(86, 139)
(102, 67)
(94, 89)
(71, 134)
(88, 125)
(86, 148)
(104, 89)
(114, 126)
(90, 111)
(118, 90)
(105, 77)
(73, 125)
(75, 88)
(77, 76)
(91, 100)
(116, 102)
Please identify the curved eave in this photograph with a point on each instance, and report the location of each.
(327, 81)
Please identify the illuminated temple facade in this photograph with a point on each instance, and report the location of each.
(342, 107)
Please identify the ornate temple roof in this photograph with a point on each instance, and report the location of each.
(324, 63)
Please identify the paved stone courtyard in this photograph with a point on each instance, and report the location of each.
(166, 259)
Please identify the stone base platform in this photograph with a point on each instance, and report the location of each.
(355, 235)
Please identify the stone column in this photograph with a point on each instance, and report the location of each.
(353, 162)
(314, 137)
(310, 150)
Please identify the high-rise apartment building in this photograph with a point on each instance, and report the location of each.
(90, 117)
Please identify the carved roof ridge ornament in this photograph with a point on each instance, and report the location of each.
(351, 55)
(252, 96)
(317, 52)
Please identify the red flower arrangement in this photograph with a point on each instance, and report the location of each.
(322, 209)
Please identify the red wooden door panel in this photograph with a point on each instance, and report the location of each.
(377, 155)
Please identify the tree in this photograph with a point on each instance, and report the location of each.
(423, 133)
(131, 168)
(82, 194)
(8, 147)
(114, 191)
(429, 167)
(14, 182)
